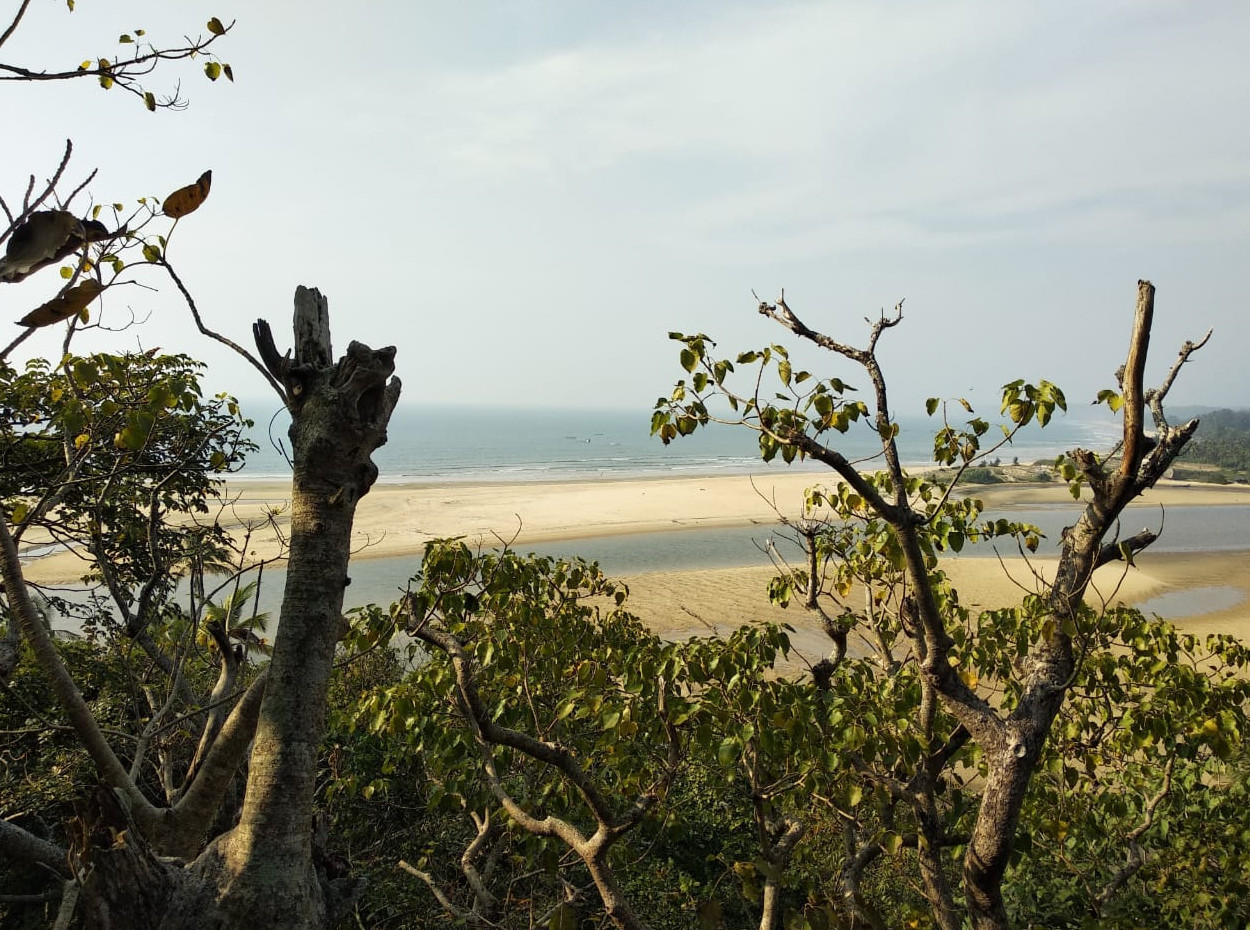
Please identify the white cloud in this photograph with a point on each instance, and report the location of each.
(872, 117)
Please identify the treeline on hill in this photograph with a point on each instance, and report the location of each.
(1222, 443)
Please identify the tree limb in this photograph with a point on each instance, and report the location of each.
(16, 843)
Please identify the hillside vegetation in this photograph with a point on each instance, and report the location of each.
(1221, 446)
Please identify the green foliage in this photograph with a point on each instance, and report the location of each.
(1206, 474)
(99, 449)
(44, 770)
(555, 656)
(1025, 402)
(813, 410)
(1148, 758)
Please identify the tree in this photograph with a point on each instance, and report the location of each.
(909, 520)
(151, 850)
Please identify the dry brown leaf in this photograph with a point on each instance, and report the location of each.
(63, 306)
(188, 199)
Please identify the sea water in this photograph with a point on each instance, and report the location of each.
(436, 445)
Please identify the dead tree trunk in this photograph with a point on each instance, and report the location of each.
(264, 872)
(1012, 750)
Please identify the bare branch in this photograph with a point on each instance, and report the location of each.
(1124, 549)
(1156, 396)
(211, 334)
(1134, 372)
(17, 19)
(459, 913)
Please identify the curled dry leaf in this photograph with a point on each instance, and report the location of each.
(63, 306)
(188, 199)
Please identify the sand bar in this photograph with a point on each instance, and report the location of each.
(398, 519)
(698, 603)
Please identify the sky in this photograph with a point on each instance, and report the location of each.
(526, 197)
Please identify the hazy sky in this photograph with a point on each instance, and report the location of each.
(525, 197)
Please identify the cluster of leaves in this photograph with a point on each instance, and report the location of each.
(118, 457)
(98, 450)
(43, 766)
(45, 771)
(799, 408)
(558, 658)
(1144, 766)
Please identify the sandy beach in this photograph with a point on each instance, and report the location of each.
(397, 519)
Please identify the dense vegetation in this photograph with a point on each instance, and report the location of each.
(1150, 766)
(1222, 441)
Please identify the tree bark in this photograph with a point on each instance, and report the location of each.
(339, 417)
(263, 872)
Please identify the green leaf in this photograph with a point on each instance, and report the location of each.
(215, 27)
(1113, 400)
(151, 252)
(931, 406)
(688, 360)
(149, 101)
(125, 39)
(212, 69)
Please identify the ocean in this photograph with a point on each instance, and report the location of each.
(436, 445)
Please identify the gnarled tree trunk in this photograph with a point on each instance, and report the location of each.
(264, 872)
